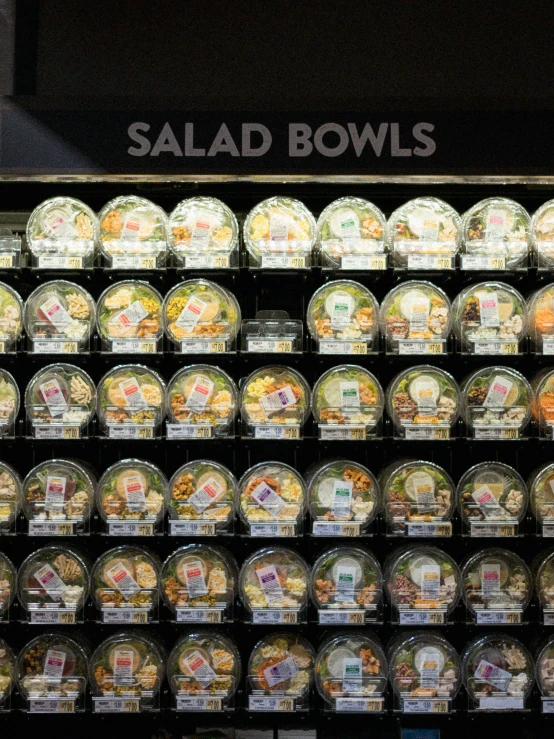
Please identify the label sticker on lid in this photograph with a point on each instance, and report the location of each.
(430, 582)
(59, 227)
(419, 315)
(425, 389)
(278, 227)
(493, 675)
(488, 310)
(429, 229)
(490, 579)
(342, 498)
(352, 675)
(134, 492)
(134, 399)
(345, 583)
(201, 670)
(265, 496)
(429, 670)
(424, 488)
(210, 491)
(349, 226)
(199, 395)
(349, 395)
(55, 313)
(485, 499)
(496, 224)
(50, 581)
(54, 663)
(53, 397)
(280, 672)
(341, 310)
(269, 583)
(202, 228)
(123, 581)
(131, 228)
(498, 392)
(278, 400)
(190, 315)
(55, 492)
(194, 577)
(123, 667)
(131, 316)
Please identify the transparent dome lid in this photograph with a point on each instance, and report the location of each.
(498, 227)
(204, 662)
(60, 310)
(343, 309)
(132, 490)
(545, 668)
(489, 310)
(202, 490)
(497, 664)
(543, 574)
(131, 309)
(60, 392)
(271, 491)
(203, 225)
(542, 234)
(346, 577)
(201, 393)
(350, 665)
(8, 577)
(416, 310)
(422, 577)
(127, 576)
(62, 226)
(423, 395)
(423, 226)
(130, 663)
(279, 225)
(52, 655)
(496, 396)
(416, 491)
(349, 226)
(199, 576)
(492, 491)
(275, 395)
(11, 314)
(132, 225)
(541, 492)
(341, 490)
(57, 490)
(10, 495)
(200, 309)
(9, 401)
(274, 577)
(133, 394)
(496, 579)
(540, 307)
(543, 398)
(282, 663)
(7, 671)
(348, 394)
(54, 575)
(424, 665)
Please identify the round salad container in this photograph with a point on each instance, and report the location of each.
(9, 403)
(495, 665)
(11, 316)
(542, 234)
(340, 490)
(424, 665)
(274, 578)
(203, 226)
(130, 663)
(346, 578)
(496, 397)
(489, 311)
(271, 492)
(53, 577)
(543, 573)
(199, 576)
(52, 664)
(348, 394)
(415, 311)
(275, 395)
(423, 395)
(203, 490)
(58, 490)
(133, 226)
(423, 226)
(60, 310)
(7, 672)
(282, 664)
(422, 578)
(541, 319)
(492, 491)
(132, 490)
(350, 665)
(131, 394)
(129, 310)
(126, 577)
(416, 492)
(496, 579)
(10, 496)
(63, 226)
(350, 227)
(498, 227)
(203, 394)
(541, 493)
(543, 399)
(200, 309)
(8, 576)
(204, 663)
(545, 668)
(344, 310)
(60, 393)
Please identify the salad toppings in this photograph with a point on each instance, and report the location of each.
(496, 396)
(202, 394)
(343, 310)
(545, 669)
(350, 226)
(282, 664)
(496, 579)
(198, 576)
(59, 309)
(11, 312)
(202, 490)
(346, 577)
(53, 577)
(274, 578)
(7, 671)
(343, 491)
(131, 394)
(423, 395)
(10, 495)
(52, 664)
(9, 402)
(423, 226)
(541, 491)
(202, 226)
(127, 665)
(279, 225)
(492, 491)
(60, 393)
(423, 577)
(497, 664)
(542, 234)
(130, 310)
(7, 584)
(204, 663)
(126, 577)
(132, 490)
(417, 311)
(271, 491)
(489, 310)
(275, 395)
(130, 225)
(497, 227)
(62, 226)
(58, 490)
(424, 665)
(348, 394)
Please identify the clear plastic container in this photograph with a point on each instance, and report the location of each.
(203, 491)
(496, 580)
(200, 311)
(416, 318)
(132, 490)
(204, 664)
(545, 668)
(204, 234)
(496, 403)
(541, 494)
(59, 490)
(7, 674)
(348, 395)
(280, 233)
(52, 665)
(274, 578)
(131, 395)
(11, 318)
(416, 493)
(498, 228)
(66, 228)
(423, 403)
(53, 577)
(197, 577)
(350, 666)
(349, 230)
(542, 235)
(496, 670)
(543, 401)
(422, 228)
(341, 490)
(272, 493)
(129, 318)
(423, 665)
(8, 577)
(133, 233)
(541, 320)
(60, 395)
(9, 403)
(343, 311)
(126, 577)
(543, 577)
(492, 493)
(489, 318)
(282, 664)
(347, 578)
(10, 497)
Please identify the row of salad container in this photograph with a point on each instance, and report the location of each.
(351, 233)
(343, 498)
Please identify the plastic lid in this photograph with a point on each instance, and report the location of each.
(271, 652)
(346, 577)
(9, 401)
(202, 490)
(351, 225)
(416, 310)
(62, 225)
(7, 671)
(423, 395)
(541, 492)
(201, 393)
(10, 494)
(54, 574)
(506, 654)
(60, 309)
(275, 395)
(52, 655)
(11, 313)
(271, 491)
(279, 224)
(130, 310)
(543, 576)
(202, 225)
(504, 394)
(273, 577)
(7, 583)
(343, 309)
(58, 489)
(423, 226)
(416, 491)
(489, 310)
(424, 665)
(60, 392)
(145, 674)
(492, 491)
(348, 394)
(125, 577)
(133, 225)
(495, 579)
(498, 226)
(132, 490)
(544, 668)
(133, 394)
(206, 661)
(542, 233)
(543, 398)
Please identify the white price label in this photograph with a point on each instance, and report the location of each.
(61, 528)
(133, 346)
(343, 347)
(496, 433)
(272, 529)
(430, 261)
(411, 347)
(51, 705)
(497, 617)
(370, 262)
(206, 346)
(199, 615)
(57, 432)
(342, 618)
(488, 348)
(116, 705)
(206, 261)
(359, 705)
(427, 433)
(333, 528)
(275, 617)
(282, 261)
(342, 433)
(125, 616)
(277, 432)
(472, 262)
(183, 431)
(198, 703)
(52, 616)
(481, 530)
(428, 529)
(265, 703)
(502, 703)
(47, 261)
(434, 705)
(547, 530)
(124, 261)
(130, 529)
(421, 618)
(130, 432)
(55, 346)
(192, 528)
(269, 346)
